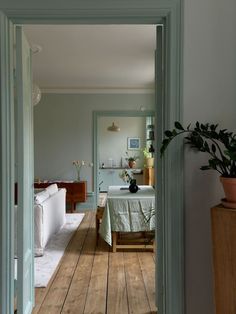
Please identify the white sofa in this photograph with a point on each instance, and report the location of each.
(49, 211)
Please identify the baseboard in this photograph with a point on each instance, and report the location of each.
(90, 204)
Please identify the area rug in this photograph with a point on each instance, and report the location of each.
(46, 265)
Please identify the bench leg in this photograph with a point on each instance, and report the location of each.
(114, 241)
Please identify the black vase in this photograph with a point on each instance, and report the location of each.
(133, 188)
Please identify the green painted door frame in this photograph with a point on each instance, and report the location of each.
(170, 171)
(7, 168)
(25, 175)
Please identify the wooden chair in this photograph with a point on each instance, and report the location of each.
(100, 210)
(99, 214)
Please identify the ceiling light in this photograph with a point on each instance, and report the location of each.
(113, 128)
(36, 94)
(36, 48)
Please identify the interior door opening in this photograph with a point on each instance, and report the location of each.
(96, 161)
(170, 174)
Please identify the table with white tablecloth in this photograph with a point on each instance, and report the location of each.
(128, 212)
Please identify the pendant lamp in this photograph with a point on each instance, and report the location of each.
(113, 128)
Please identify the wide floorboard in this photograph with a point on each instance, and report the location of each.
(92, 279)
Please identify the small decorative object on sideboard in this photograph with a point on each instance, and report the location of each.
(131, 160)
(220, 145)
(78, 165)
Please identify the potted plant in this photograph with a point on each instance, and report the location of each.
(149, 160)
(78, 165)
(131, 160)
(220, 145)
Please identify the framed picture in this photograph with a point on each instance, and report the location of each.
(133, 143)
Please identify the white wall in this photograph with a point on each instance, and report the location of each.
(114, 144)
(63, 130)
(209, 96)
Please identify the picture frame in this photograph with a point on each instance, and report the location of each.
(133, 143)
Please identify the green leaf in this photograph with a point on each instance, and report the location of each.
(165, 143)
(213, 148)
(174, 133)
(206, 147)
(213, 163)
(203, 127)
(168, 133)
(205, 168)
(178, 126)
(213, 127)
(231, 154)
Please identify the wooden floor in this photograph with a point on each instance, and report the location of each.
(92, 279)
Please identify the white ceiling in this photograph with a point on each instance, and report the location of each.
(93, 56)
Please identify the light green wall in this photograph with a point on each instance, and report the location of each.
(114, 144)
(63, 128)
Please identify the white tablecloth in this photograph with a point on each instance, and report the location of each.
(128, 212)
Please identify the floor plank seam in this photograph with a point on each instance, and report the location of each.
(85, 303)
(108, 272)
(81, 251)
(127, 296)
(140, 266)
(90, 275)
(88, 284)
(98, 280)
(58, 268)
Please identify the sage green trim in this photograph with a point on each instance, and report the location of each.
(168, 12)
(7, 168)
(160, 65)
(170, 175)
(25, 181)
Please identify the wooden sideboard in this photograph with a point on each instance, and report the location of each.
(223, 228)
(76, 192)
(149, 176)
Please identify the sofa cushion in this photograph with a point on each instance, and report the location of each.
(52, 189)
(40, 197)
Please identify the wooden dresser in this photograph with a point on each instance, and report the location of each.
(76, 192)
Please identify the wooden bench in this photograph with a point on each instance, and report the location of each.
(99, 214)
(133, 240)
(100, 210)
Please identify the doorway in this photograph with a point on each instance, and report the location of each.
(166, 246)
(57, 106)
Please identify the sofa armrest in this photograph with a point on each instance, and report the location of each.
(49, 218)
